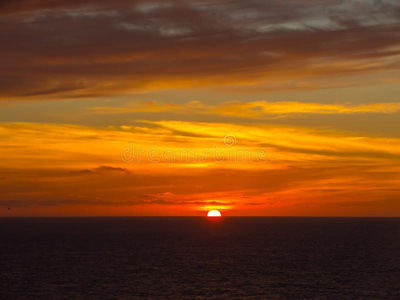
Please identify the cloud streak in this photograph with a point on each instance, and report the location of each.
(255, 109)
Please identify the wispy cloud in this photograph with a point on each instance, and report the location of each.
(255, 109)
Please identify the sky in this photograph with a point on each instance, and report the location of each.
(174, 108)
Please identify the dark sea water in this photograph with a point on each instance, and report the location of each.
(268, 258)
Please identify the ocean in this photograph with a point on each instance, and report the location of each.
(194, 257)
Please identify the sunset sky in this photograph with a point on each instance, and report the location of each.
(167, 108)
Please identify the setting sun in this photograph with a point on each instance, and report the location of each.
(214, 214)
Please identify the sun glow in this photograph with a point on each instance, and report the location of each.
(214, 214)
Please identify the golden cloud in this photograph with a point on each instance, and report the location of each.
(67, 169)
(255, 109)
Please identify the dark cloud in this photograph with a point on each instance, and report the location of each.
(55, 49)
(110, 168)
(102, 169)
(84, 48)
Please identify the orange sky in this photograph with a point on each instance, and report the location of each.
(142, 108)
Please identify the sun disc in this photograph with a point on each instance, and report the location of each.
(214, 214)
